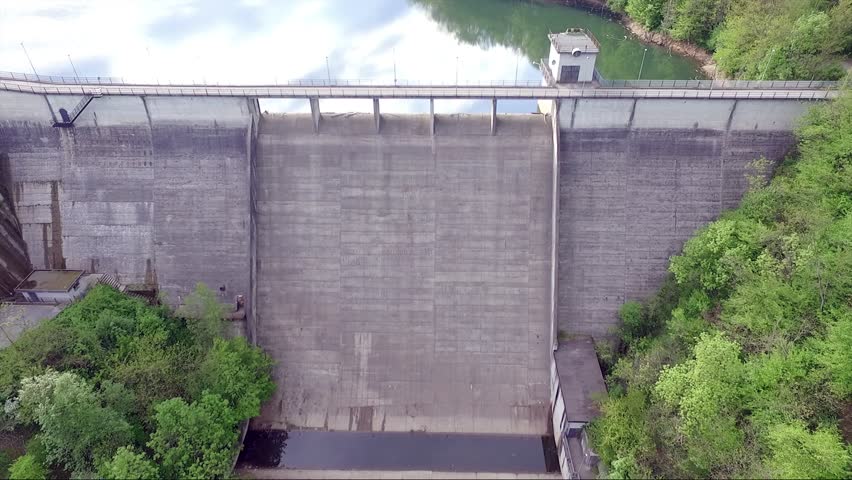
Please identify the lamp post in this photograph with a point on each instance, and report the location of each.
(642, 64)
(327, 70)
(73, 67)
(516, 70)
(29, 59)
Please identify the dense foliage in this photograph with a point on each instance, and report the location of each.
(757, 39)
(742, 365)
(119, 389)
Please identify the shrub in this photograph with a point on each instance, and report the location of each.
(239, 373)
(76, 430)
(27, 467)
(196, 440)
(126, 464)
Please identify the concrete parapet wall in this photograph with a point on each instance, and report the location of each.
(134, 189)
(638, 178)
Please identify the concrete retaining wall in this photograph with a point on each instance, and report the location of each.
(637, 178)
(153, 190)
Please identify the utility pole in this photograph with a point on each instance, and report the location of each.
(73, 67)
(394, 66)
(457, 70)
(642, 65)
(28, 59)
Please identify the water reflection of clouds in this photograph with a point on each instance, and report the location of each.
(251, 41)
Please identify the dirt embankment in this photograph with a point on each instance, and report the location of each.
(686, 49)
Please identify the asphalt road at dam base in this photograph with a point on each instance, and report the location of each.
(397, 451)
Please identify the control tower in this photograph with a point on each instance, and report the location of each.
(572, 56)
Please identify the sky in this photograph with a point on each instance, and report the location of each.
(251, 42)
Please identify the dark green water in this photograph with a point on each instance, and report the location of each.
(523, 26)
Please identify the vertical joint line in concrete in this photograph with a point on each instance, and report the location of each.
(632, 114)
(731, 116)
(50, 107)
(573, 111)
(253, 132)
(315, 113)
(722, 156)
(494, 116)
(148, 116)
(432, 116)
(377, 116)
(554, 229)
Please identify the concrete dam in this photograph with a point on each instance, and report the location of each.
(406, 272)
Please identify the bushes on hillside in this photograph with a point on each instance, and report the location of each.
(123, 390)
(742, 368)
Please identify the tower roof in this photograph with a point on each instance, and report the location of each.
(573, 38)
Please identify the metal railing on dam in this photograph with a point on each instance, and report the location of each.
(363, 89)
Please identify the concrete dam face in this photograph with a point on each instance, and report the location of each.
(405, 279)
(155, 190)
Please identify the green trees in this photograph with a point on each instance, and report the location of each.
(746, 371)
(27, 467)
(194, 440)
(695, 20)
(647, 12)
(122, 390)
(756, 39)
(799, 453)
(75, 429)
(127, 464)
(238, 373)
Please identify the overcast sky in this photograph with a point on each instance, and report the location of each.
(248, 41)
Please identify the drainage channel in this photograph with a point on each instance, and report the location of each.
(312, 449)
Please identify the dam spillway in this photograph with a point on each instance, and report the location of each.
(404, 270)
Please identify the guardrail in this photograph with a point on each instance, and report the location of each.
(334, 82)
(543, 67)
(60, 79)
(434, 92)
(719, 84)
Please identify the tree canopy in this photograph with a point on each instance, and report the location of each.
(119, 389)
(757, 39)
(741, 365)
